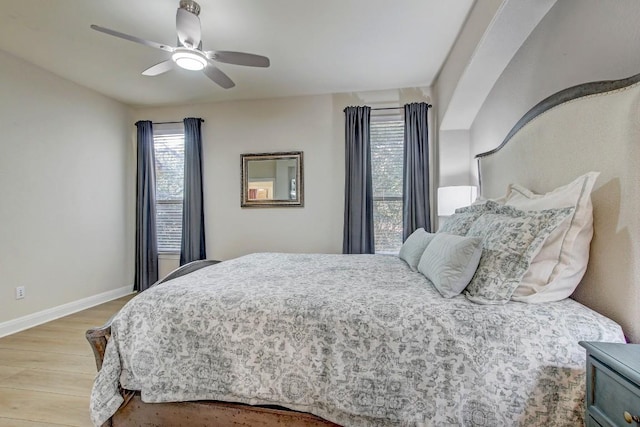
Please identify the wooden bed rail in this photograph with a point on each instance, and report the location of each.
(99, 337)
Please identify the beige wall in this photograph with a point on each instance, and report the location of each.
(286, 124)
(312, 124)
(454, 158)
(452, 147)
(479, 18)
(576, 42)
(65, 231)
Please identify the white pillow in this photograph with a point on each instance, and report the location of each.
(414, 246)
(450, 262)
(558, 268)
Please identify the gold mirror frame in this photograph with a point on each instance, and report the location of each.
(272, 183)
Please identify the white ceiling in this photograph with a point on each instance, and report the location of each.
(315, 47)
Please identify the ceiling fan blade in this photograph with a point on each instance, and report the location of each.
(218, 77)
(239, 58)
(132, 38)
(160, 68)
(188, 28)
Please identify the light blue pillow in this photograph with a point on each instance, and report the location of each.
(450, 262)
(414, 246)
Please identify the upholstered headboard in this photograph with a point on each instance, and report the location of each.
(590, 127)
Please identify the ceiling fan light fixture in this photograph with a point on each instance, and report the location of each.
(189, 60)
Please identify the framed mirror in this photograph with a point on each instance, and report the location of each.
(272, 179)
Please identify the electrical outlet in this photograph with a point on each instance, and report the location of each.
(20, 292)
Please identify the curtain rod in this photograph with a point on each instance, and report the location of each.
(395, 108)
(171, 123)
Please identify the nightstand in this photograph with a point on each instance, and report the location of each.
(613, 384)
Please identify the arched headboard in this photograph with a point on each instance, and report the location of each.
(590, 127)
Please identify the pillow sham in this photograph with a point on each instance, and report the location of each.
(482, 200)
(562, 261)
(450, 262)
(460, 222)
(511, 238)
(414, 246)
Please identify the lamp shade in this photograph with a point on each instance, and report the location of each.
(454, 197)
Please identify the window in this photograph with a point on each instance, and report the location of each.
(168, 141)
(387, 151)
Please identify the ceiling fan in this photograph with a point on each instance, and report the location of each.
(189, 54)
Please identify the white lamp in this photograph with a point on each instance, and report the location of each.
(189, 59)
(454, 197)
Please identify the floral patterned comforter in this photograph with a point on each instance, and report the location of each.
(359, 340)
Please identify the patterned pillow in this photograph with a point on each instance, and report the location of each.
(460, 222)
(511, 238)
(414, 246)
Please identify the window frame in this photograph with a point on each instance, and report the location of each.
(159, 130)
(399, 118)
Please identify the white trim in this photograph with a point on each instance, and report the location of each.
(509, 29)
(44, 316)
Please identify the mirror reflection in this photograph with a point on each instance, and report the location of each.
(272, 179)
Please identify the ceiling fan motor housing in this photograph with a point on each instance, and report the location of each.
(190, 6)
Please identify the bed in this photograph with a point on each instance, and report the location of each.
(364, 340)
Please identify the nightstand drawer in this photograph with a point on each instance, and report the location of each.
(590, 422)
(612, 395)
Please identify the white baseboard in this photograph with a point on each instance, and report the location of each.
(44, 316)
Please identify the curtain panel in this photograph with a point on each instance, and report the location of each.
(192, 246)
(146, 252)
(416, 205)
(358, 234)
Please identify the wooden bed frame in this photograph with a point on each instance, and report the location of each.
(134, 412)
(613, 266)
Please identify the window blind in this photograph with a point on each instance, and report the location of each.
(387, 152)
(169, 152)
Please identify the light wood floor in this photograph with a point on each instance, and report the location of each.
(46, 372)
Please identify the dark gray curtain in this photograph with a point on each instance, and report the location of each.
(358, 193)
(415, 192)
(146, 273)
(192, 246)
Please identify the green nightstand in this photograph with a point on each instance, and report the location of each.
(613, 384)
